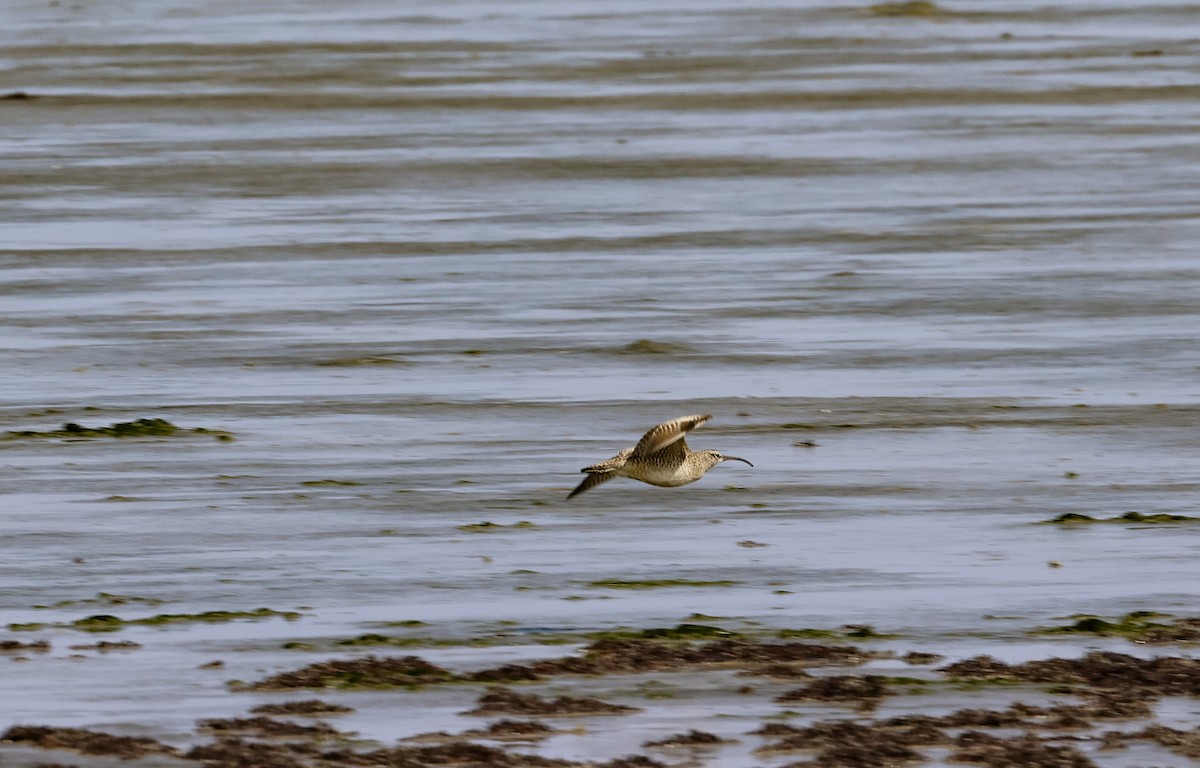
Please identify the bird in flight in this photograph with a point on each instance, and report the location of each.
(661, 457)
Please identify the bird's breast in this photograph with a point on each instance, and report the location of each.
(664, 476)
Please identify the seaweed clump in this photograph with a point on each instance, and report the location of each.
(313, 707)
(505, 701)
(513, 730)
(266, 727)
(652, 347)
(455, 753)
(1025, 751)
(489, 527)
(103, 622)
(1183, 743)
(236, 752)
(465, 754)
(367, 672)
(866, 691)
(1139, 626)
(120, 429)
(635, 655)
(37, 646)
(214, 617)
(85, 741)
(910, 8)
(1159, 676)
(1158, 518)
(685, 632)
(104, 646)
(852, 743)
(692, 738)
(658, 583)
(847, 743)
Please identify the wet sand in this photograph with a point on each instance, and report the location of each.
(312, 317)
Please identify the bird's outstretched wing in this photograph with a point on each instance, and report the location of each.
(591, 481)
(667, 433)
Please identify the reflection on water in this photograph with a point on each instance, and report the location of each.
(424, 267)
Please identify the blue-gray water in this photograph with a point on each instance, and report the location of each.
(447, 256)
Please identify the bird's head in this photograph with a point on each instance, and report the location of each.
(716, 457)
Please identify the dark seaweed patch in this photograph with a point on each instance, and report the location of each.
(253, 754)
(506, 673)
(633, 761)
(912, 8)
(121, 429)
(490, 527)
(505, 701)
(314, 707)
(1183, 743)
(99, 623)
(1160, 518)
(686, 632)
(1141, 626)
(1022, 752)
(266, 727)
(215, 617)
(455, 753)
(1160, 676)
(815, 634)
(37, 646)
(512, 730)
(865, 691)
(85, 741)
(1059, 717)
(847, 743)
(864, 632)
(377, 639)
(652, 347)
(367, 672)
(677, 632)
(630, 655)
(108, 645)
(658, 583)
(109, 623)
(982, 667)
(352, 362)
(692, 738)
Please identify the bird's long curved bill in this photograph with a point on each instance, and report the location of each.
(736, 458)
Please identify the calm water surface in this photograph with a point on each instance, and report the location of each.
(446, 257)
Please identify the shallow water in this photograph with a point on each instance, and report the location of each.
(447, 259)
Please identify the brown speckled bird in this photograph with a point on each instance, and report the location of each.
(660, 458)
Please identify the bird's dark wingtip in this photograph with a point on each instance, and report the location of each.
(591, 481)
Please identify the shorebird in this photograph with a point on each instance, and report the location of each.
(660, 458)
